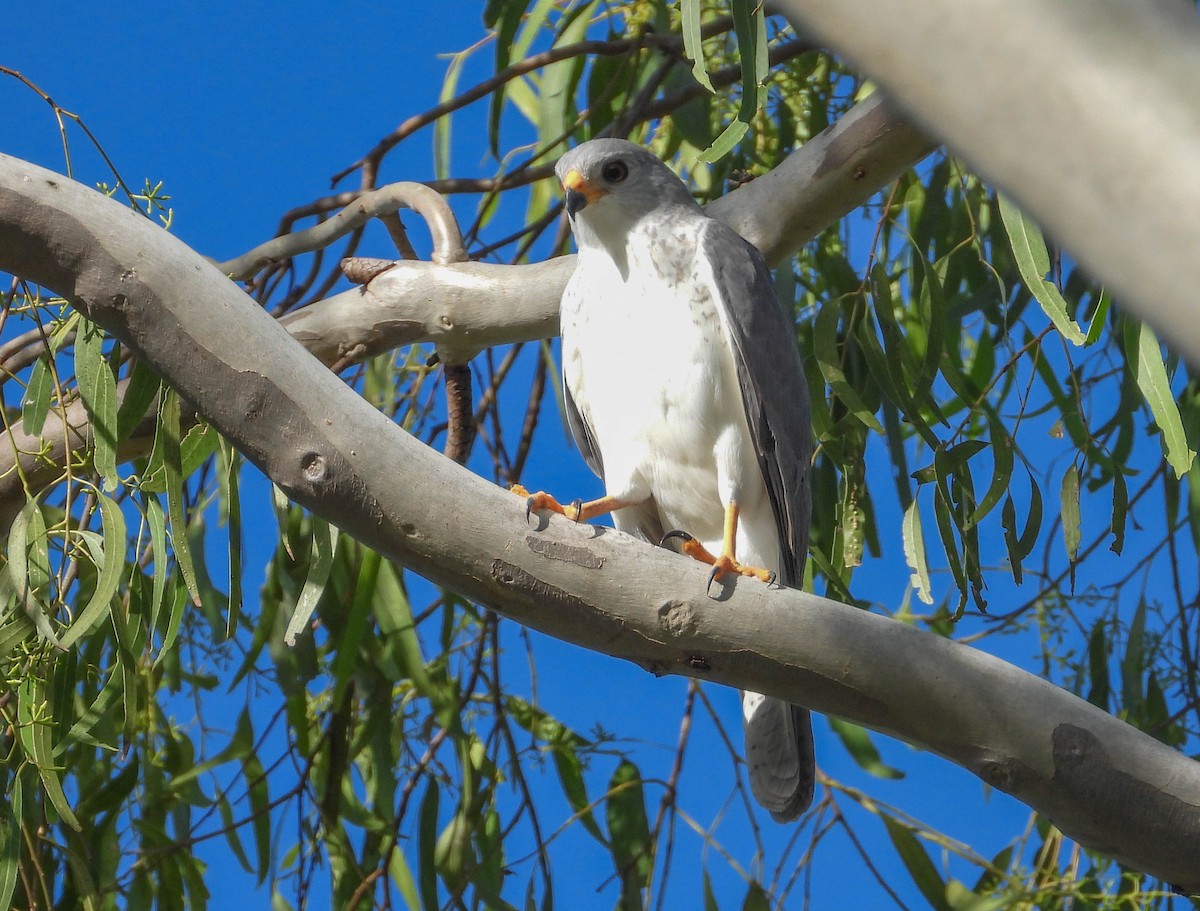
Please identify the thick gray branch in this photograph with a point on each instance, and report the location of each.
(1106, 784)
(1087, 111)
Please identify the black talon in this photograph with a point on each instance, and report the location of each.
(528, 508)
(772, 577)
(577, 505)
(682, 535)
(712, 577)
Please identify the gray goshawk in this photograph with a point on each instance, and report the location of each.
(685, 394)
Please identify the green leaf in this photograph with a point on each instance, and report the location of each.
(505, 16)
(1069, 498)
(962, 899)
(10, 842)
(756, 898)
(169, 439)
(110, 563)
(1099, 318)
(441, 126)
(1146, 362)
(402, 879)
(750, 26)
(916, 860)
(195, 448)
(693, 44)
(1008, 521)
(14, 631)
(232, 836)
(914, 553)
(348, 657)
(81, 730)
(28, 565)
(829, 360)
(34, 724)
(557, 83)
(393, 613)
(723, 144)
(427, 846)
(1002, 469)
(1120, 512)
(570, 776)
(38, 394)
(234, 524)
(629, 833)
(157, 520)
(325, 538)
(857, 741)
(98, 389)
(991, 879)
(179, 599)
(1133, 664)
(260, 806)
(945, 524)
(1033, 262)
(1099, 692)
(141, 388)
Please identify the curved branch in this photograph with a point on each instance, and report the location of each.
(1104, 783)
(426, 202)
(1092, 122)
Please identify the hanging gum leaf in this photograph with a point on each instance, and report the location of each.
(1033, 262)
(1146, 362)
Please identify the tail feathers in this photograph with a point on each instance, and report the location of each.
(779, 754)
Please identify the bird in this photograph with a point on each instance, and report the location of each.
(685, 393)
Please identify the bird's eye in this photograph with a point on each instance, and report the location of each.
(615, 171)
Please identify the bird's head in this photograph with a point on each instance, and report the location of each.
(612, 184)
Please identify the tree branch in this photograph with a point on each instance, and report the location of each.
(1104, 783)
(1095, 130)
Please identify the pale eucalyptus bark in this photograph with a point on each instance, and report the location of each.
(1086, 111)
(1104, 783)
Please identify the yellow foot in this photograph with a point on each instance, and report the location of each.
(543, 501)
(578, 511)
(722, 566)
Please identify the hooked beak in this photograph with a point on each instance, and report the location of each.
(579, 192)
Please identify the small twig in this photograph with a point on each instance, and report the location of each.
(369, 163)
(460, 421)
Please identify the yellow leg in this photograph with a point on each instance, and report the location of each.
(576, 512)
(727, 562)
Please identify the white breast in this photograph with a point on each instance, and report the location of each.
(652, 373)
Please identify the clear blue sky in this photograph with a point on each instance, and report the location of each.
(245, 110)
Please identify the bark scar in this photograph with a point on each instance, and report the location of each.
(568, 553)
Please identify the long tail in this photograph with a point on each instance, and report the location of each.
(779, 752)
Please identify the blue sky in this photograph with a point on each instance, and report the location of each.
(244, 110)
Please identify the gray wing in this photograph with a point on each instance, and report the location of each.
(779, 739)
(771, 377)
(582, 433)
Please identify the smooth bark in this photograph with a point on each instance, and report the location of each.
(1086, 111)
